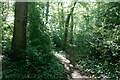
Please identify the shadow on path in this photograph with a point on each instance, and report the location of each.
(72, 69)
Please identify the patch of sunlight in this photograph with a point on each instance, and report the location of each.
(70, 65)
(59, 55)
(76, 74)
(67, 61)
(66, 67)
(1, 57)
(62, 57)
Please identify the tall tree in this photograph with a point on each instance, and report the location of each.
(19, 34)
(71, 32)
(66, 26)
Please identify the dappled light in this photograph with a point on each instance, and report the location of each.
(73, 72)
(60, 40)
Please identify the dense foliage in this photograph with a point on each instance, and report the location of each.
(99, 44)
(38, 61)
(95, 34)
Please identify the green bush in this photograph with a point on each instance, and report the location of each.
(36, 65)
(100, 49)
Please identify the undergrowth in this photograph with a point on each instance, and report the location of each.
(35, 65)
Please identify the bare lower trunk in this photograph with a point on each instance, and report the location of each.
(71, 34)
(19, 34)
(66, 27)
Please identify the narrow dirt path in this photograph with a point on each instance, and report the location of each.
(72, 69)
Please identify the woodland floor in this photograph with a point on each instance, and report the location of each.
(72, 69)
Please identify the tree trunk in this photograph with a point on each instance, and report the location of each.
(47, 11)
(66, 27)
(71, 34)
(19, 34)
